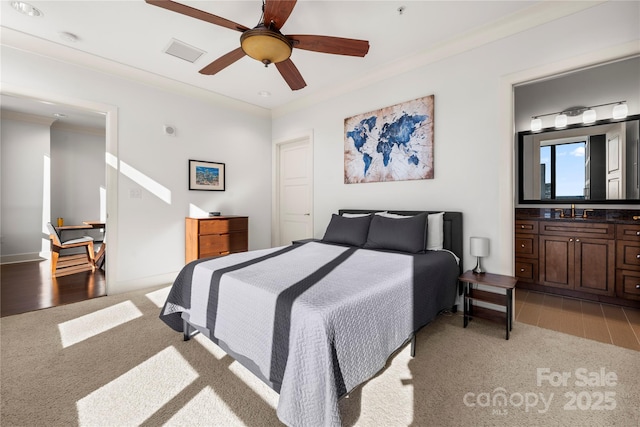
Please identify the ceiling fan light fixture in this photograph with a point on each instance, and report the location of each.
(265, 45)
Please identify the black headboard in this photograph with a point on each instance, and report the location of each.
(452, 227)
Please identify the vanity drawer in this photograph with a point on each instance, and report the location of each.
(577, 229)
(526, 270)
(526, 227)
(628, 284)
(628, 232)
(628, 254)
(526, 246)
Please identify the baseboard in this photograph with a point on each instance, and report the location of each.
(12, 259)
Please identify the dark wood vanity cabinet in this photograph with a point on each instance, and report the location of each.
(628, 261)
(526, 251)
(584, 259)
(578, 256)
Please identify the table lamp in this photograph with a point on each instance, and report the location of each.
(479, 249)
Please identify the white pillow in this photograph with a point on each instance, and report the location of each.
(353, 215)
(435, 231)
(435, 228)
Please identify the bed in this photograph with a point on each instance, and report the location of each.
(317, 318)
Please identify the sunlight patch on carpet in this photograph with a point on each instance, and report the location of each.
(206, 405)
(159, 297)
(134, 396)
(254, 383)
(87, 326)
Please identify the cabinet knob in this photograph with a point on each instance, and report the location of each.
(522, 226)
(638, 286)
(577, 240)
(522, 245)
(571, 240)
(638, 256)
(522, 270)
(637, 233)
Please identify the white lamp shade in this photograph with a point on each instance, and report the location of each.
(536, 124)
(561, 120)
(479, 246)
(620, 111)
(589, 116)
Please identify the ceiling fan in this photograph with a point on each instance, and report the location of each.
(266, 43)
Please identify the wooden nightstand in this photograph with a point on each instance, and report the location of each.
(471, 294)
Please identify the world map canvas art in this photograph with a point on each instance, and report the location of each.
(391, 144)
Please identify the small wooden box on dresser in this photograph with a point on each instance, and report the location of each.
(214, 236)
(595, 258)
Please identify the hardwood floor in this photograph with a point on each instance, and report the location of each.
(28, 286)
(610, 324)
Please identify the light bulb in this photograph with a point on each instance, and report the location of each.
(620, 111)
(561, 120)
(536, 124)
(589, 116)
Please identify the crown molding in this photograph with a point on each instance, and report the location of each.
(533, 16)
(25, 42)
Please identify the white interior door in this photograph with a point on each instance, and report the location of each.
(615, 164)
(295, 191)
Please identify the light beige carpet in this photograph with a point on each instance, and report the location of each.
(111, 362)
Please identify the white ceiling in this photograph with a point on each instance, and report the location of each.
(131, 36)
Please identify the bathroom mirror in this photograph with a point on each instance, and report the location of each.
(598, 163)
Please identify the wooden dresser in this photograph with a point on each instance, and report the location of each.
(214, 236)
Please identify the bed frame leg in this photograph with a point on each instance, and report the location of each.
(413, 345)
(186, 330)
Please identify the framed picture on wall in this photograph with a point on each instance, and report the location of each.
(207, 176)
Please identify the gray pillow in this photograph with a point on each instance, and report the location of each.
(347, 231)
(405, 235)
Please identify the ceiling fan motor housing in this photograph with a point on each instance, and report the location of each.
(266, 45)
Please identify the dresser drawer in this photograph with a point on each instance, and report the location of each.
(526, 227)
(628, 254)
(219, 244)
(527, 270)
(628, 284)
(220, 226)
(526, 246)
(628, 232)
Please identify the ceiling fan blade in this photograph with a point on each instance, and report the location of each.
(223, 62)
(278, 11)
(291, 74)
(328, 44)
(197, 13)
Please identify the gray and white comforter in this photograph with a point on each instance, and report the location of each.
(313, 320)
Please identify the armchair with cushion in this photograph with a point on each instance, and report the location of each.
(69, 264)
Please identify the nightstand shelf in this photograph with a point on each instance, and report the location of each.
(472, 295)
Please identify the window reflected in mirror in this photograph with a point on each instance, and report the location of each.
(597, 163)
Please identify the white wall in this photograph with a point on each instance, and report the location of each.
(473, 125)
(146, 234)
(24, 172)
(77, 173)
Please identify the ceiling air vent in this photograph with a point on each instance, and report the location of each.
(183, 51)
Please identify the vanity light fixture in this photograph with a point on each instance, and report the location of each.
(589, 115)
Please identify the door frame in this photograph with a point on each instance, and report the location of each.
(275, 183)
(111, 160)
